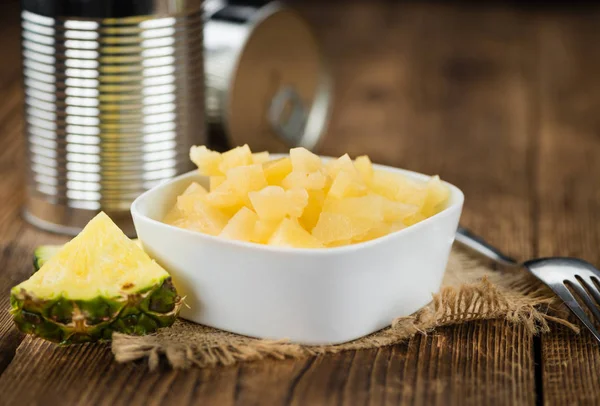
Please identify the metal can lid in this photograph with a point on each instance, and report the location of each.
(280, 90)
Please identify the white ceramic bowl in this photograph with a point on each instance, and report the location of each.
(309, 296)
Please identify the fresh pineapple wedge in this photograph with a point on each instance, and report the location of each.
(99, 282)
(43, 253)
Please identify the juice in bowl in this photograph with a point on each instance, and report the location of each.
(313, 249)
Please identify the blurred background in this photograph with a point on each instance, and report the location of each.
(490, 95)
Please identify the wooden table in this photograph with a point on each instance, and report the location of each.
(503, 102)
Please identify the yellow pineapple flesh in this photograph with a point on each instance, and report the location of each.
(278, 201)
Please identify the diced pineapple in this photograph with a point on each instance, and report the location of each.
(397, 187)
(304, 161)
(397, 226)
(201, 216)
(208, 161)
(174, 216)
(215, 181)
(283, 201)
(240, 226)
(386, 184)
(274, 203)
(364, 166)
(225, 197)
(310, 216)
(291, 234)
(395, 211)
(277, 170)
(436, 198)
(411, 192)
(264, 229)
(333, 227)
(342, 164)
(414, 219)
(260, 157)
(232, 194)
(378, 230)
(239, 156)
(346, 184)
(306, 180)
(370, 207)
(245, 179)
(195, 189)
(186, 203)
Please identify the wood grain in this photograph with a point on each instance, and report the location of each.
(426, 96)
(501, 102)
(569, 189)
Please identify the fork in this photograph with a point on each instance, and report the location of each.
(555, 272)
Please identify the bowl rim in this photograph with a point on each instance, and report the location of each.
(456, 197)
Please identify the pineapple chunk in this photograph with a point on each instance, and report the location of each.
(378, 230)
(239, 156)
(260, 157)
(201, 216)
(240, 226)
(386, 184)
(396, 211)
(364, 166)
(334, 227)
(342, 164)
(277, 170)
(310, 216)
(245, 179)
(174, 217)
(263, 230)
(436, 198)
(370, 207)
(307, 180)
(397, 187)
(225, 198)
(233, 192)
(291, 234)
(346, 184)
(195, 189)
(304, 160)
(274, 203)
(207, 161)
(411, 193)
(414, 219)
(215, 181)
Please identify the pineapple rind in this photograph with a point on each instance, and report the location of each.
(68, 321)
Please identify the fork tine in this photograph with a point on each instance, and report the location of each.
(586, 297)
(566, 295)
(591, 287)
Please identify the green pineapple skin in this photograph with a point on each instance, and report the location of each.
(66, 321)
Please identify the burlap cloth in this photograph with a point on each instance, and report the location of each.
(472, 290)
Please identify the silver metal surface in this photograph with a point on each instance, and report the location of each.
(467, 238)
(569, 278)
(113, 102)
(267, 83)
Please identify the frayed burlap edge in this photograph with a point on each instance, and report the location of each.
(471, 291)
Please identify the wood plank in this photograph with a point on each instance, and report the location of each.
(432, 88)
(17, 240)
(569, 183)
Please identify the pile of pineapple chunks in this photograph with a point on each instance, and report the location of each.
(299, 200)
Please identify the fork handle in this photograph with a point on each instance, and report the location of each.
(479, 245)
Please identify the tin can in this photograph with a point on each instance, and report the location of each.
(267, 82)
(114, 99)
